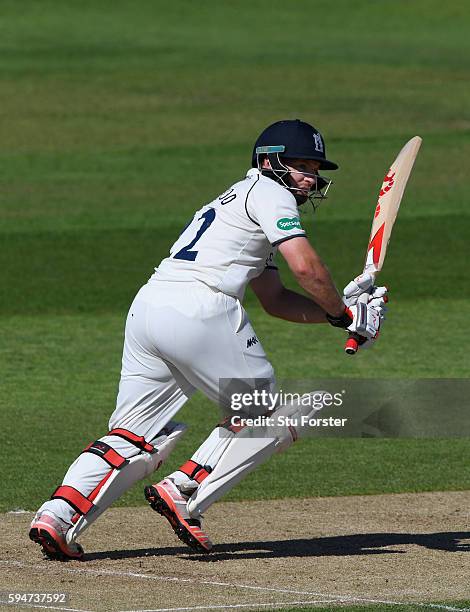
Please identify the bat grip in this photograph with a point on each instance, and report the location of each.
(355, 340)
(352, 344)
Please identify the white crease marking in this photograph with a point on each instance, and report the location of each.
(332, 598)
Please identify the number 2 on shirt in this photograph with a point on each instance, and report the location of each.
(185, 252)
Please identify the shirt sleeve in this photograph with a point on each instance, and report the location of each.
(275, 210)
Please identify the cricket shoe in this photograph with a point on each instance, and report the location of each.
(166, 499)
(50, 533)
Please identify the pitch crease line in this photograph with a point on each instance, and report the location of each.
(226, 606)
(13, 604)
(333, 598)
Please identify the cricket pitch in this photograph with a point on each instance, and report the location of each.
(340, 550)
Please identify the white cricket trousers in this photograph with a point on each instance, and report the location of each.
(179, 337)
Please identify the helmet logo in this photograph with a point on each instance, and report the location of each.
(318, 142)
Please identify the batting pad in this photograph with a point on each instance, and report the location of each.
(121, 480)
(249, 448)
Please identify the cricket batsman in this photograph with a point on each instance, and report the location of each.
(187, 330)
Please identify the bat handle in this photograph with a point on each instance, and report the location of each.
(352, 344)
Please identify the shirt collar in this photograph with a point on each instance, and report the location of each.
(253, 173)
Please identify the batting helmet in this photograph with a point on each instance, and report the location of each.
(292, 138)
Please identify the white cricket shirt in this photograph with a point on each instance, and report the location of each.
(235, 237)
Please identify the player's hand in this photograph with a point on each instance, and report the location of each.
(362, 319)
(364, 284)
(374, 318)
(366, 319)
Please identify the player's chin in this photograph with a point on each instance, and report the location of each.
(301, 198)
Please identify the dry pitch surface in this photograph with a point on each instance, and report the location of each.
(349, 550)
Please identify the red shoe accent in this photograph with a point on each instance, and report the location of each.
(50, 535)
(162, 499)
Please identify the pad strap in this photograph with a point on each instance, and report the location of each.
(93, 494)
(227, 424)
(138, 441)
(79, 502)
(106, 452)
(195, 471)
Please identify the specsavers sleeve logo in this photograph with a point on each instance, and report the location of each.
(287, 223)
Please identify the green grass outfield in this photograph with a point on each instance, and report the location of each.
(119, 119)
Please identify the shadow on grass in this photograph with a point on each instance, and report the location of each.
(336, 546)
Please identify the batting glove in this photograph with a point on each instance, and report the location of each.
(364, 284)
(363, 319)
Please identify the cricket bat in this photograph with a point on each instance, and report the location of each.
(386, 211)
